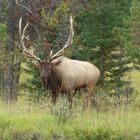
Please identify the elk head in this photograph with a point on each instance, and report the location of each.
(45, 66)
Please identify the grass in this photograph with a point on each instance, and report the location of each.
(41, 121)
(23, 121)
(136, 80)
(136, 84)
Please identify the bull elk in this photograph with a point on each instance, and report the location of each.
(61, 74)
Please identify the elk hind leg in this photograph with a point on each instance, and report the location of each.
(89, 97)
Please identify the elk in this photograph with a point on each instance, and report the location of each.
(61, 74)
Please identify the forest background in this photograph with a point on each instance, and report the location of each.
(107, 34)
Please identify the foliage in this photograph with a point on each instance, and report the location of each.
(25, 120)
(3, 40)
(132, 22)
(3, 36)
(58, 16)
(61, 111)
(103, 39)
(3, 11)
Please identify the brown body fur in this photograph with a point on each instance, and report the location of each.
(67, 75)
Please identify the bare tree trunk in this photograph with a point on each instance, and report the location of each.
(9, 92)
(51, 5)
(17, 67)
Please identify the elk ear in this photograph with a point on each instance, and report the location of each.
(56, 63)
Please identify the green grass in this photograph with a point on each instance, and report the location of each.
(136, 80)
(26, 120)
(23, 120)
(136, 84)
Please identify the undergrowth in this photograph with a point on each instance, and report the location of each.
(31, 121)
(115, 119)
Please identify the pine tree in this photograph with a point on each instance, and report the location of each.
(95, 30)
(133, 23)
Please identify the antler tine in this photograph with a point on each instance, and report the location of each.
(23, 6)
(27, 51)
(69, 41)
(50, 56)
(22, 35)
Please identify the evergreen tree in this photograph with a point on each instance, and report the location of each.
(95, 30)
(3, 38)
(133, 24)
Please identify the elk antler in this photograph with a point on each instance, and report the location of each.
(68, 43)
(19, 4)
(27, 51)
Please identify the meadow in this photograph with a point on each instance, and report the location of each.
(27, 120)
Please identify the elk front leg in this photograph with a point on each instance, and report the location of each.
(70, 99)
(54, 97)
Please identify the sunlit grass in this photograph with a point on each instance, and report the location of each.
(136, 80)
(24, 119)
(27, 119)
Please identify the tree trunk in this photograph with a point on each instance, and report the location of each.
(102, 66)
(9, 92)
(17, 67)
